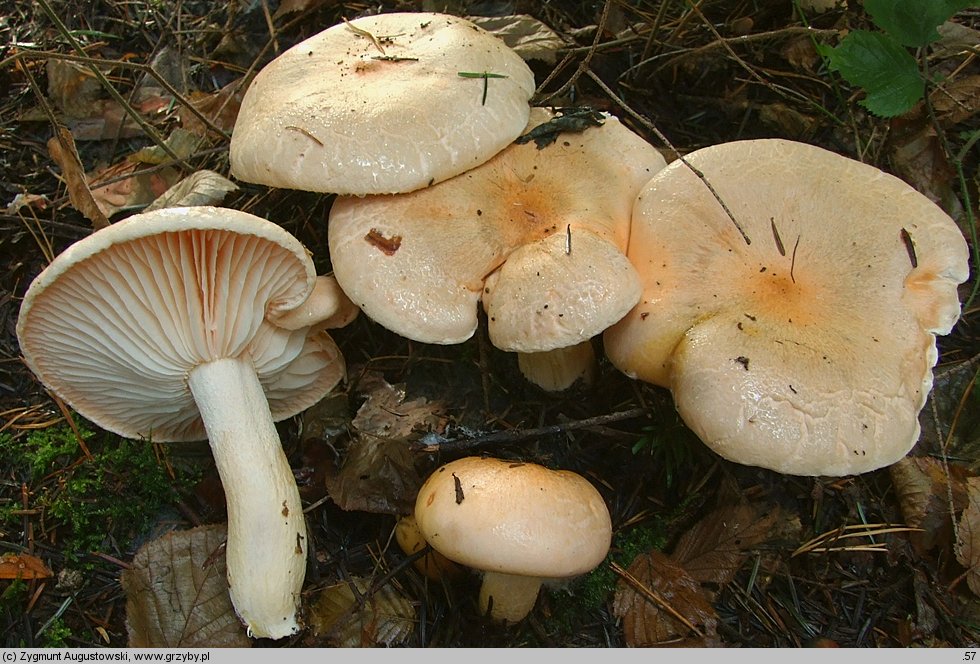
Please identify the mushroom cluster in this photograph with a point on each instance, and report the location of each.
(190, 323)
(537, 233)
(796, 325)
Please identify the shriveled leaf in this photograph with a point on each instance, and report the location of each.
(917, 156)
(377, 476)
(181, 142)
(527, 36)
(20, 201)
(328, 418)
(73, 88)
(657, 589)
(23, 566)
(386, 414)
(883, 67)
(128, 189)
(220, 108)
(713, 550)
(62, 150)
(954, 39)
(952, 413)
(957, 101)
(287, 7)
(203, 187)
(968, 536)
(177, 593)
(380, 618)
(923, 489)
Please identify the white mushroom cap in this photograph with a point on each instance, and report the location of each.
(810, 350)
(512, 519)
(336, 114)
(162, 326)
(418, 263)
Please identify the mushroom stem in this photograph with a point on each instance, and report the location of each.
(513, 595)
(556, 370)
(266, 550)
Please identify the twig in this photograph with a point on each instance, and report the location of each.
(587, 60)
(653, 128)
(436, 443)
(111, 89)
(653, 596)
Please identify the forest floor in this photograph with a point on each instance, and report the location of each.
(705, 552)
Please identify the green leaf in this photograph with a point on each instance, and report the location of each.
(883, 67)
(914, 22)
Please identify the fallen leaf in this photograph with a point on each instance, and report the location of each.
(713, 550)
(177, 593)
(181, 142)
(136, 191)
(378, 475)
(365, 619)
(527, 36)
(287, 7)
(220, 107)
(923, 490)
(659, 590)
(916, 155)
(968, 536)
(62, 149)
(20, 201)
(73, 89)
(385, 413)
(202, 187)
(956, 101)
(23, 566)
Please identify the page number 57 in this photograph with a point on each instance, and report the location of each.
(969, 655)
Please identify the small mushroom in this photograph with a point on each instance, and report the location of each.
(163, 326)
(433, 565)
(537, 233)
(799, 336)
(518, 523)
(381, 104)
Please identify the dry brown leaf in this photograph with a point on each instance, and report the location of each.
(23, 566)
(177, 593)
(968, 536)
(62, 149)
(957, 100)
(287, 7)
(713, 550)
(385, 618)
(220, 107)
(386, 414)
(128, 193)
(923, 490)
(662, 589)
(202, 187)
(527, 36)
(73, 89)
(377, 476)
(916, 155)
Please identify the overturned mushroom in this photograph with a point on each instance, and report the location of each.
(799, 333)
(537, 233)
(164, 326)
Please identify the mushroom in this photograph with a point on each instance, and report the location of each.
(163, 326)
(799, 333)
(381, 104)
(518, 523)
(432, 564)
(537, 233)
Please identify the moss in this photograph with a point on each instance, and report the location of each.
(88, 502)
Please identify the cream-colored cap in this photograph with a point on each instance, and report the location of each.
(381, 104)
